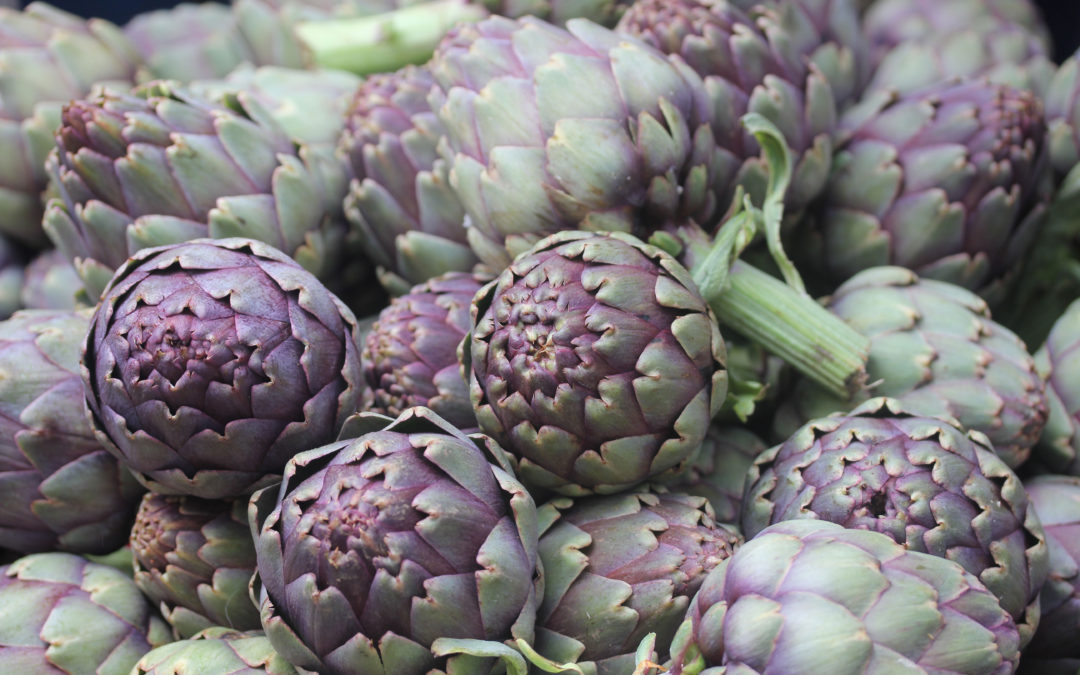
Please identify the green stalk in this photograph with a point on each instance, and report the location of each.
(385, 42)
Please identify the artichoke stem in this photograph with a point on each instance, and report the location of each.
(792, 326)
(385, 42)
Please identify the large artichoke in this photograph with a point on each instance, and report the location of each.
(934, 346)
(216, 651)
(951, 182)
(209, 364)
(1057, 500)
(194, 558)
(595, 362)
(619, 567)
(922, 481)
(410, 356)
(188, 42)
(375, 553)
(161, 166)
(47, 57)
(1058, 448)
(59, 488)
(63, 614)
(814, 598)
(411, 222)
(550, 129)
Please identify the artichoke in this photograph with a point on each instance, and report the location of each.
(750, 63)
(47, 57)
(920, 480)
(619, 567)
(188, 42)
(1062, 102)
(934, 347)
(400, 199)
(951, 182)
(594, 361)
(161, 166)
(410, 357)
(550, 129)
(209, 364)
(1057, 500)
(63, 614)
(719, 473)
(1058, 448)
(386, 553)
(216, 651)
(59, 488)
(50, 282)
(814, 598)
(194, 558)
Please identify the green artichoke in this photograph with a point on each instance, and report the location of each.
(209, 364)
(59, 488)
(1057, 500)
(410, 357)
(813, 598)
(934, 347)
(920, 480)
(619, 567)
(161, 166)
(216, 651)
(951, 182)
(388, 553)
(749, 65)
(63, 614)
(1058, 448)
(594, 361)
(194, 558)
(719, 473)
(400, 200)
(550, 129)
(47, 57)
(188, 42)
(50, 282)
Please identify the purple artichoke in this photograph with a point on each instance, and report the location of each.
(387, 553)
(209, 364)
(594, 361)
(410, 356)
(922, 481)
(1057, 500)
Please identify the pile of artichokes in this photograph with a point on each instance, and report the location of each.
(481, 337)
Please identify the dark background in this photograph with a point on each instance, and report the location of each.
(1063, 16)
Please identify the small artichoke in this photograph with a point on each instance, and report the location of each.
(47, 58)
(719, 473)
(188, 42)
(1058, 449)
(209, 364)
(922, 481)
(374, 553)
(594, 361)
(216, 651)
(400, 200)
(59, 488)
(162, 166)
(813, 598)
(550, 129)
(50, 282)
(63, 614)
(410, 356)
(934, 346)
(194, 558)
(1057, 500)
(619, 567)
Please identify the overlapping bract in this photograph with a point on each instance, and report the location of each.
(47, 57)
(950, 182)
(934, 346)
(59, 488)
(1057, 500)
(582, 128)
(209, 364)
(814, 598)
(923, 482)
(161, 166)
(620, 567)
(374, 548)
(216, 651)
(594, 361)
(63, 614)
(194, 558)
(400, 199)
(410, 356)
